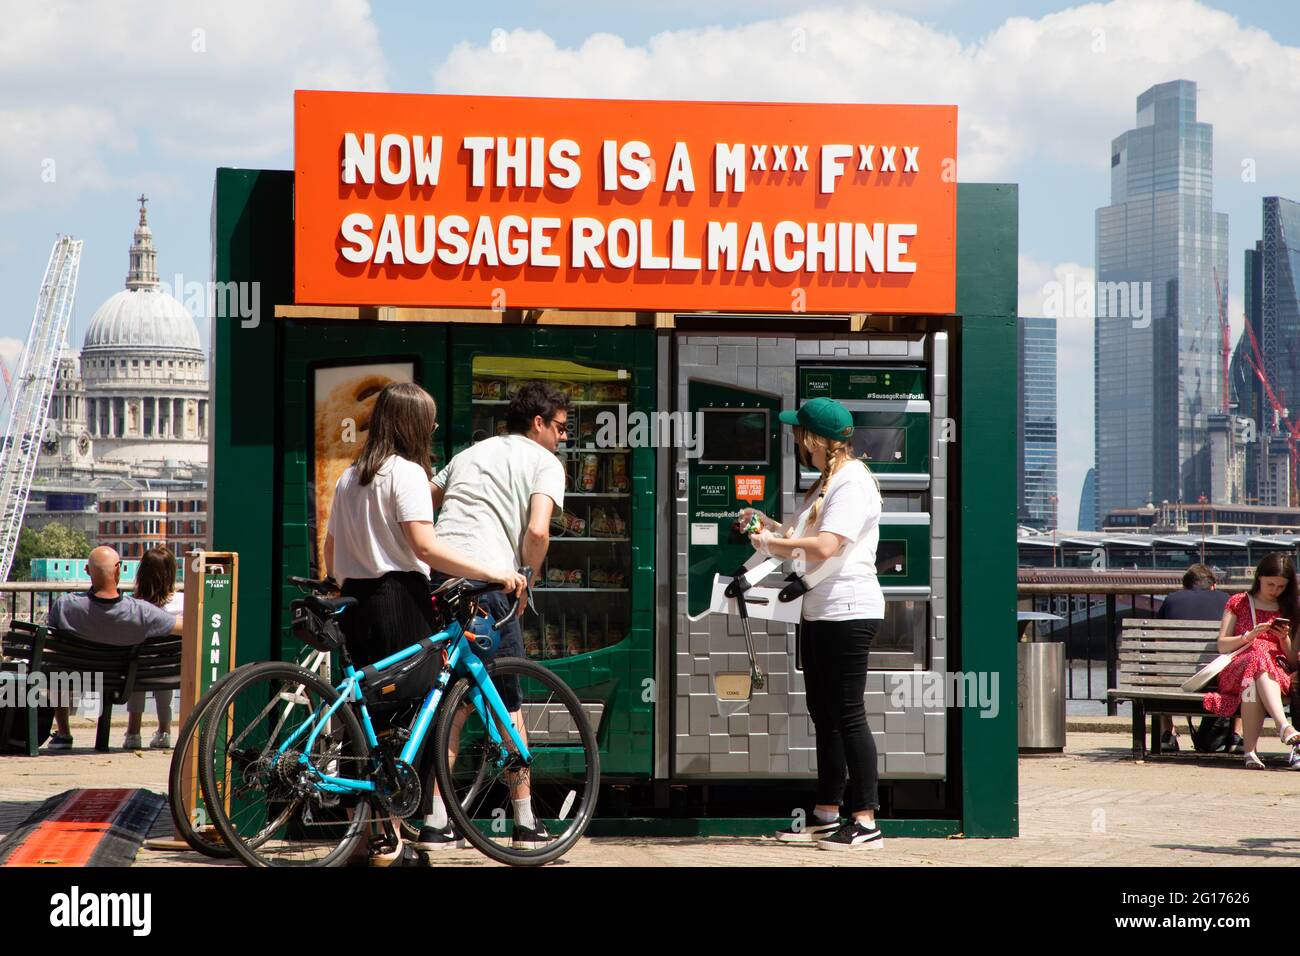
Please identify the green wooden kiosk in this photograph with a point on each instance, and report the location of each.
(616, 627)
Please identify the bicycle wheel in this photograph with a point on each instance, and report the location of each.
(265, 806)
(198, 833)
(563, 778)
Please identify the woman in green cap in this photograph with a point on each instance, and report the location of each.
(840, 617)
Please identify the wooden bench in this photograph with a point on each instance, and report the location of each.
(152, 665)
(1155, 657)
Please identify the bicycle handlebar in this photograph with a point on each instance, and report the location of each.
(478, 589)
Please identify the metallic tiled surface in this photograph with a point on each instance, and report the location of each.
(551, 723)
(771, 734)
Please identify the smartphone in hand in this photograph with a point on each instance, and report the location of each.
(1281, 623)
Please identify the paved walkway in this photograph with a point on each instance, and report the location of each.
(1091, 805)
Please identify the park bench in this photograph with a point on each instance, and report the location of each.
(1155, 657)
(154, 664)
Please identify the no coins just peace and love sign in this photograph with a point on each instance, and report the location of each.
(465, 201)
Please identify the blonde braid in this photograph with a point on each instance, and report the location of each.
(837, 453)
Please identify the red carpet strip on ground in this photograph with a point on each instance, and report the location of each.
(99, 827)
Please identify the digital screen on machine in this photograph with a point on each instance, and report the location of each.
(891, 557)
(735, 436)
(879, 444)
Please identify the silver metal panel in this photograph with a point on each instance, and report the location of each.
(664, 544)
(771, 735)
(552, 724)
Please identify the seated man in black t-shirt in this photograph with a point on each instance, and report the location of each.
(1199, 600)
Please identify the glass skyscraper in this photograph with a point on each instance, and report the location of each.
(1036, 425)
(1088, 503)
(1272, 299)
(1162, 270)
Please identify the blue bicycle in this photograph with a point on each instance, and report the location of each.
(294, 773)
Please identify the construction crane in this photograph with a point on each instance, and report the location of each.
(1281, 414)
(34, 384)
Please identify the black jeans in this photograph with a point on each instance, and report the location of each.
(835, 678)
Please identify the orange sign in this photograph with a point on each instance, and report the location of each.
(512, 202)
(749, 488)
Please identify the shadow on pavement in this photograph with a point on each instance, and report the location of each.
(1253, 847)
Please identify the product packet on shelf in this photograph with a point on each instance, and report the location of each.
(572, 639)
(618, 477)
(609, 392)
(554, 646)
(607, 523)
(532, 642)
(590, 471)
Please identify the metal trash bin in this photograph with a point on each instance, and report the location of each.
(1040, 695)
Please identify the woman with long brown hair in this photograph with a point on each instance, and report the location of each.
(155, 582)
(840, 617)
(1260, 625)
(381, 544)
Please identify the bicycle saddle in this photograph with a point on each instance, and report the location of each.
(329, 606)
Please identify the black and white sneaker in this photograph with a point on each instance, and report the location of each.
(431, 839)
(809, 832)
(852, 836)
(528, 838)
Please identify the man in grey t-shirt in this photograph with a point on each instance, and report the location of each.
(495, 501)
(105, 615)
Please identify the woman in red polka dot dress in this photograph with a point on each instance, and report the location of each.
(1254, 620)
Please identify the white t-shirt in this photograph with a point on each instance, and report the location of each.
(851, 509)
(488, 489)
(366, 520)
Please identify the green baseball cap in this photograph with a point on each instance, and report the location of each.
(822, 416)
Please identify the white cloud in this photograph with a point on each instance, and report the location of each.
(156, 83)
(1031, 91)
(10, 350)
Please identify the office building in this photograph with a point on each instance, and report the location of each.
(1162, 272)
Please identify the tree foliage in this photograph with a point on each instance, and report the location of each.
(52, 541)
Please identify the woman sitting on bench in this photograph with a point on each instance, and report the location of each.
(1263, 621)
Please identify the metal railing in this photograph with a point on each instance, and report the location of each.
(1093, 608)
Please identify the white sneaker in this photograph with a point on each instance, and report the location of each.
(132, 742)
(161, 740)
(1293, 759)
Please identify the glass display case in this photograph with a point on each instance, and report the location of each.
(582, 591)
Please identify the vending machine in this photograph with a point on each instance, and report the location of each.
(593, 615)
(896, 387)
(592, 620)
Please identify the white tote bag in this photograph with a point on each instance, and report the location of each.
(1211, 670)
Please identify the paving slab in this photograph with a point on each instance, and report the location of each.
(1091, 805)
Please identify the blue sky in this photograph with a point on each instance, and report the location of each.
(137, 96)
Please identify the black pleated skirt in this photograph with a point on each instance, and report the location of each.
(394, 611)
